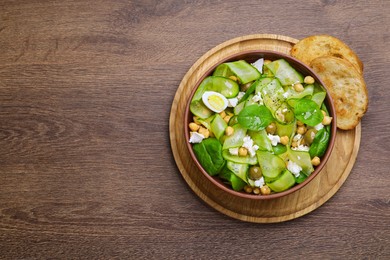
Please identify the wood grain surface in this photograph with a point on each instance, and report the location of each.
(86, 167)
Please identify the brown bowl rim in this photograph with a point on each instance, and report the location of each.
(329, 103)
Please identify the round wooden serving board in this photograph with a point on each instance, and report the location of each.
(301, 202)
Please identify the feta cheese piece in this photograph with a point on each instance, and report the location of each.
(275, 139)
(259, 183)
(233, 151)
(319, 127)
(259, 65)
(232, 102)
(195, 137)
(297, 137)
(240, 95)
(248, 144)
(257, 98)
(252, 150)
(301, 147)
(294, 168)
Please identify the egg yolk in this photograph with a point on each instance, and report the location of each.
(216, 102)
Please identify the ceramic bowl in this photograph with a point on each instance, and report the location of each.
(251, 56)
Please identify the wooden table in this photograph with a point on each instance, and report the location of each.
(86, 168)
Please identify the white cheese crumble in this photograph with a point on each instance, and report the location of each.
(232, 102)
(275, 139)
(259, 183)
(195, 137)
(248, 144)
(233, 151)
(257, 98)
(297, 137)
(286, 94)
(259, 65)
(301, 148)
(294, 168)
(240, 95)
(252, 150)
(319, 127)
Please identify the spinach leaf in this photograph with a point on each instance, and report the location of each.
(209, 155)
(279, 149)
(255, 117)
(232, 179)
(308, 112)
(301, 178)
(320, 143)
(250, 90)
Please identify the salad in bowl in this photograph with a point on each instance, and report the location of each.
(260, 124)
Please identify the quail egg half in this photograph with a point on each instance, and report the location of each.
(215, 101)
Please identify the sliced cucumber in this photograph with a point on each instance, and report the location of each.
(285, 72)
(199, 109)
(239, 169)
(218, 126)
(244, 71)
(271, 165)
(236, 139)
(239, 159)
(273, 95)
(261, 139)
(284, 182)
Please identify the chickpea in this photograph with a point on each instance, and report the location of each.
(300, 123)
(256, 191)
(327, 120)
(193, 127)
(222, 114)
(298, 87)
(248, 189)
(309, 136)
(233, 78)
(242, 152)
(229, 131)
(309, 80)
(204, 131)
(294, 144)
(316, 161)
(265, 190)
(255, 173)
(271, 128)
(301, 130)
(324, 113)
(284, 140)
(227, 119)
(267, 61)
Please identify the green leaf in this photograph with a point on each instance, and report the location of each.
(209, 155)
(301, 178)
(308, 112)
(279, 149)
(255, 117)
(320, 143)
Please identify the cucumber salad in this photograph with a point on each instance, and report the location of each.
(260, 127)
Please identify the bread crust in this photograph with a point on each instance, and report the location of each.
(316, 46)
(347, 88)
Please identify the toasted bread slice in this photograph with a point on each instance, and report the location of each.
(346, 87)
(316, 46)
